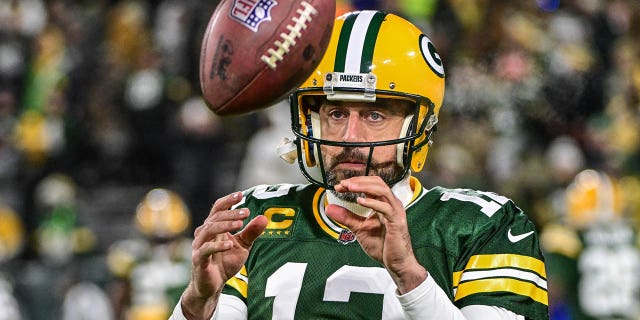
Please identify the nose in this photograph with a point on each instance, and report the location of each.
(354, 131)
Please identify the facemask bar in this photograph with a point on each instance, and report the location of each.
(315, 172)
(320, 176)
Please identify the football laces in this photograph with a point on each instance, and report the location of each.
(289, 39)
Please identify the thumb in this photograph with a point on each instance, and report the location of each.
(343, 216)
(252, 231)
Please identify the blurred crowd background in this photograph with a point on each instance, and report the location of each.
(109, 158)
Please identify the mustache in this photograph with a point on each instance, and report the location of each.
(349, 155)
(355, 156)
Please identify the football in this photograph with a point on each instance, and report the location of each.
(254, 52)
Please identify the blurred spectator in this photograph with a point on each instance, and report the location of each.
(60, 233)
(12, 240)
(63, 245)
(9, 156)
(152, 269)
(593, 258)
(85, 300)
(12, 235)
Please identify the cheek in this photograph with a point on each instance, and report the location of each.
(329, 153)
(384, 154)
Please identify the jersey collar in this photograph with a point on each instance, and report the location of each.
(407, 190)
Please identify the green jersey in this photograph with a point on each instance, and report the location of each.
(478, 247)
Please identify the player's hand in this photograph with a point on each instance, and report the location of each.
(218, 255)
(384, 235)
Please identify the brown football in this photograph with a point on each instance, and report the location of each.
(254, 52)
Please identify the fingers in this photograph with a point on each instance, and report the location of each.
(343, 216)
(252, 231)
(379, 196)
(376, 205)
(202, 253)
(225, 203)
(372, 186)
(214, 235)
(222, 242)
(221, 220)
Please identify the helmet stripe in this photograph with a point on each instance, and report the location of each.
(343, 42)
(357, 41)
(370, 42)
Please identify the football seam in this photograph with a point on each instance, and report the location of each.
(289, 40)
(231, 100)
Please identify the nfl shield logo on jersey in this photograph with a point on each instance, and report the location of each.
(346, 236)
(250, 13)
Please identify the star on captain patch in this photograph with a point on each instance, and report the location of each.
(281, 222)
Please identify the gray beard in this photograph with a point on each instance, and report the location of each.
(387, 174)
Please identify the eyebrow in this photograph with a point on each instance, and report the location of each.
(404, 107)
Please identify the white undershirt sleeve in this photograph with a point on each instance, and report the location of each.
(229, 308)
(477, 312)
(428, 301)
(177, 312)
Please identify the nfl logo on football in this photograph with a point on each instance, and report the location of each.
(251, 13)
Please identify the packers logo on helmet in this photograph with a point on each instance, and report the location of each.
(372, 55)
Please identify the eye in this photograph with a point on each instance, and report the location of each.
(337, 114)
(375, 116)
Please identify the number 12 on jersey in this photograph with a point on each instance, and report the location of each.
(286, 282)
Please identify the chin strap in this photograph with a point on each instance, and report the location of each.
(351, 206)
(402, 190)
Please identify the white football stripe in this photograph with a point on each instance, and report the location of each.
(505, 272)
(356, 42)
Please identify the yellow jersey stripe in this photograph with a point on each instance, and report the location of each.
(456, 278)
(505, 273)
(502, 284)
(316, 214)
(492, 261)
(239, 282)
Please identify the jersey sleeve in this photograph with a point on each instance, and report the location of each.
(237, 286)
(504, 266)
